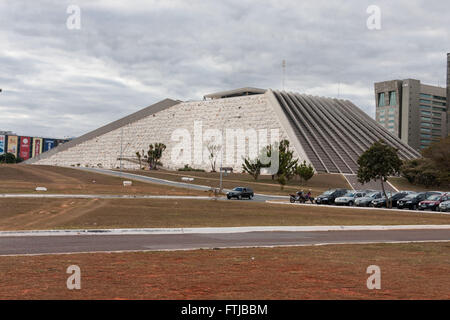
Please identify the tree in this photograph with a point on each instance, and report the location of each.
(154, 154)
(286, 164)
(433, 168)
(213, 152)
(252, 167)
(9, 158)
(378, 163)
(305, 172)
(139, 156)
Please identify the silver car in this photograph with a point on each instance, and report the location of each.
(444, 206)
(348, 199)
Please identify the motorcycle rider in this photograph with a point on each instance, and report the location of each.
(309, 197)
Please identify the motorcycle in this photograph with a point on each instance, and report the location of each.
(300, 198)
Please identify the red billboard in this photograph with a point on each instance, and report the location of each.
(25, 145)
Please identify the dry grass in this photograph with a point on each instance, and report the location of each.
(408, 271)
(155, 213)
(402, 184)
(318, 184)
(25, 178)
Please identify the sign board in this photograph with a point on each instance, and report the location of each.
(12, 145)
(25, 146)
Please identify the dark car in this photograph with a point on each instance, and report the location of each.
(381, 202)
(329, 196)
(433, 201)
(412, 201)
(240, 192)
(367, 199)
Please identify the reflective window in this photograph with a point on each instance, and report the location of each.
(381, 102)
(392, 98)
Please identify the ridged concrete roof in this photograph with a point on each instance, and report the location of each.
(334, 133)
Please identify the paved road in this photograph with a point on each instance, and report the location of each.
(96, 243)
(131, 176)
(102, 196)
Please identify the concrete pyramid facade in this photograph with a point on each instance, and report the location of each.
(328, 133)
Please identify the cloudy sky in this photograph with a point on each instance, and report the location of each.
(60, 82)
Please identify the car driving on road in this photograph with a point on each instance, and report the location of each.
(240, 192)
(349, 198)
(329, 196)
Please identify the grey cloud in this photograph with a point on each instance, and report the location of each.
(128, 56)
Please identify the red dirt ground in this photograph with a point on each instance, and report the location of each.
(408, 271)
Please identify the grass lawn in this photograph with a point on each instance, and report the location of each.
(25, 178)
(408, 271)
(318, 184)
(402, 184)
(21, 214)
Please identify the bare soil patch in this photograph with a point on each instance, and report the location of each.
(21, 214)
(408, 271)
(25, 178)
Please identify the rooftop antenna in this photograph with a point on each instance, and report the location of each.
(283, 65)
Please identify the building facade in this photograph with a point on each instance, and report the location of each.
(448, 92)
(328, 133)
(414, 112)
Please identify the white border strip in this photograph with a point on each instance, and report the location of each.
(357, 208)
(150, 231)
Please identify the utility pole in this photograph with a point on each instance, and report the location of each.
(121, 150)
(283, 65)
(221, 151)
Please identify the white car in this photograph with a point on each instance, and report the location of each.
(444, 206)
(348, 199)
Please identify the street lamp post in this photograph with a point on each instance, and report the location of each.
(221, 149)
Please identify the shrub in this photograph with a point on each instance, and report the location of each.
(188, 168)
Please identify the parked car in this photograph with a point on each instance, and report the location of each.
(381, 202)
(348, 199)
(240, 192)
(444, 206)
(329, 196)
(433, 201)
(411, 201)
(368, 198)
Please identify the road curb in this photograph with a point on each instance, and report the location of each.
(150, 231)
(355, 208)
(103, 196)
